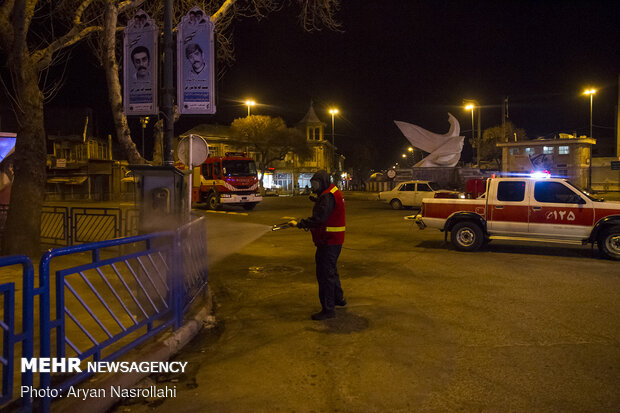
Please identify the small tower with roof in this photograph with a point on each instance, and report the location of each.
(312, 125)
(315, 135)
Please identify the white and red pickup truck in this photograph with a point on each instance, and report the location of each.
(526, 209)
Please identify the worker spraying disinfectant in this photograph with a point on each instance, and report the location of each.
(327, 225)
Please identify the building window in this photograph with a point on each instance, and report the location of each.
(548, 149)
(563, 150)
(529, 151)
(514, 151)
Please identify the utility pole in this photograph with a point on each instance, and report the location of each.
(168, 89)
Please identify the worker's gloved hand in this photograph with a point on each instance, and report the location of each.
(292, 223)
(312, 198)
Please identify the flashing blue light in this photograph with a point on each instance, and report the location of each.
(7, 143)
(540, 174)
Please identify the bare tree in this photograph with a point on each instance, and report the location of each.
(313, 15)
(30, 51)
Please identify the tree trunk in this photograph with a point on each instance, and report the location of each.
(23, 224)
(123, 134)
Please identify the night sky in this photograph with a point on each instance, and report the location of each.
(417, 60)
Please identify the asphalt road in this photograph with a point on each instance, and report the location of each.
(511, 328)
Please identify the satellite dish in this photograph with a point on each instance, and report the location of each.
(199, 150)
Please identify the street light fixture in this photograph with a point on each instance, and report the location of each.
(410, 149)
(249, 104)
(472, 107)
(333, 112)
(591, 93)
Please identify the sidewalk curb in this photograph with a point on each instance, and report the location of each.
(161, 350)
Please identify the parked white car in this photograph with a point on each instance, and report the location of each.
(411, 193)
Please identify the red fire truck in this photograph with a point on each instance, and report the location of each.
(227, 180)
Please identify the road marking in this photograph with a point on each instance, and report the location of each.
(288, 218)
(226, 212)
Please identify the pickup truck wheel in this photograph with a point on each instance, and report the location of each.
(396, 204)
(466, 236)
(213, 202)
(609, 242)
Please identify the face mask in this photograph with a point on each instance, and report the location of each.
(315, 186)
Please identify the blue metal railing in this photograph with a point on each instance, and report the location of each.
(192, 247)
(106, 304)
(10, 337)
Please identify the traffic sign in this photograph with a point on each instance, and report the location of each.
(198, 150)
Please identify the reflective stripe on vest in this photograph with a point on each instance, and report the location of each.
(334, 229)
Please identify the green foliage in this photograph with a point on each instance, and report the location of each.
(489, 151)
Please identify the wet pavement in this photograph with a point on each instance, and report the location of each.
(516, 327)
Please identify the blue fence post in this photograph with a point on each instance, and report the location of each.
(44, 323)
(8, 291)
(28, 323)
(177, 279)
(11, 338)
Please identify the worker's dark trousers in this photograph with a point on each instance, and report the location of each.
(330, 291)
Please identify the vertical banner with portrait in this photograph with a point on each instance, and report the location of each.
(140, 66)
(195, 64)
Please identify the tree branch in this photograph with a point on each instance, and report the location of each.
(222, 10)
(128, 5)
(43, 57)
(77, 17)
(6, 28)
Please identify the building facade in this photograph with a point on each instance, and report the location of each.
(290, 175)
(567, 157)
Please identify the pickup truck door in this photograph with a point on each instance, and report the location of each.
(558, 211)
(508, 208)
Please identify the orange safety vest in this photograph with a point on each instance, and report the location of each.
(332, 231)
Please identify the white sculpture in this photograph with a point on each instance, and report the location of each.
(444, 150)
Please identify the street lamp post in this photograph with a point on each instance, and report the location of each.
(333, 112)
(472, 107)
(143, 121)
(591, 93)
(249, 104)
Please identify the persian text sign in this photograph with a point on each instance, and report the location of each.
(195, 65)
(140, 66)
